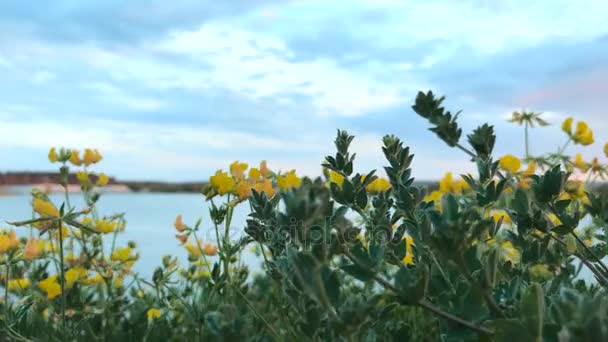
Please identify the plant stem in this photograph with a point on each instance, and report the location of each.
(8, 273)
(62, 280)
(466, 150)
(425, 304)
(486, 295)
(595, 256)
(527, 140)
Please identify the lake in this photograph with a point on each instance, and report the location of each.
(149, 217)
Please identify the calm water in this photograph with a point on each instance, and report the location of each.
(149, 217)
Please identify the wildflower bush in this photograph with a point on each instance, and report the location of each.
(350, 256)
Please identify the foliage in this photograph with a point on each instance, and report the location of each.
(351, 256)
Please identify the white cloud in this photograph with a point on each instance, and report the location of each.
(42, 77)
(116, 95)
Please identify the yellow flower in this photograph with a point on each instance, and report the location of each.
(93, 280)
(121, 254)
(567, 126)
(583, 134)
(18, 284)
(182, 238)
(554, 219)
(210, 250)
(50, 287)
(580, 164)
(44, 208)
(32, 248)
(264, 169)
(606, 150)
(434, 196)
(379, 185)
(193, 250)
(8, 242)
(75, 158)
(53, 155)
(82, 176)
(409, 251)
(117, 282)
(506, 219)
(105, 226)
(153, 314)
(243, 189)
(509, 253)
(73, 275)
(510, 163)
(530, 169)
(254, 173)
(447, 184)
(540, 272)
(335, 177)
(179, 224)
(265, 186)
(221, 182)
(102, 179)
(91, 156)
(289, 181)
(237, 170)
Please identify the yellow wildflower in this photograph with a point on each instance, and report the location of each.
(433, 196)
(8, 242)
(91, 156)
(265, 186)
(579, 163)
(510, 163)
(509, 253)
(32, 248)
(554, 219)
(193, 250)
(264, 171)
(221, 182)
(243, 189)
(117, 282)
(44, 208)
(209, 249)
(567, 126)
(335, 177)
(121, 254)
(447, 184)
(50, 286)
(73, 275)
(102, 179)
(82, 176)
(606, 150)
(379, 185)
(583, 134)
(237, 170)
(409, 251)
(254, 173)
(497, 215)
(179, 224)
(75, 158)
(53, 155)
(105, 226)
(93, 280)
(182, 238)
(153, 314)
(540, 272)
(18, 284)
(290, 180)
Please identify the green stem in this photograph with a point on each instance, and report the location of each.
(563, 148)
(527, 140)
(62, 280)
(425, 304)
(588, 250)
(6, 302)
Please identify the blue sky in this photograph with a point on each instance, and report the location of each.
(173, 90)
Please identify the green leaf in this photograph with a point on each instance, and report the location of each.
(358, 272)
(510, 330)
(412, 283)
(533, 310)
